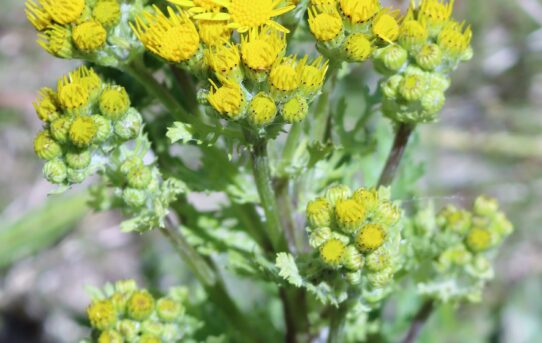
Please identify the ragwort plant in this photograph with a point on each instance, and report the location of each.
(307, 218)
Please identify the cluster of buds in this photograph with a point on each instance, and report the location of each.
(125, 313)
(83, 120)
(429, 45)
(91, 29)
(250, 76)
(462, 246)
(356, 233)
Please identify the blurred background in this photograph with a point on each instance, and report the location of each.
(488, 141)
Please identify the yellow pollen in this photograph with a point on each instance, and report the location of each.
(89, 36)
(359, 11)
(332, 251)
(370, 237)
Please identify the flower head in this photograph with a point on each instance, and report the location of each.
(101, 314)
(319, 213)
(370, 237)
(82, 131)
(37, 15)
(89, 35)
(47, 106)
(313, 75)
(107, 12)
(63, 11)
(213, 32)
(223, 59)
(57, 40)
(479, 239)
(386, 25)
(46, 147)
(349, 215)
(285, 76)
(247, 14)
(454, 39)
(261, 48)
(140, 305)
(357, 47)
(412, 33)
(435, 12)
(359, 11)
(325, 25)
(169, 309)
(114, 102)
(228, 99)
(72, 95)
(332, 252)
(262, 110)
(173, 37)
(295, 109)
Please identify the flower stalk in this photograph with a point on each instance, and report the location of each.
(400, 142)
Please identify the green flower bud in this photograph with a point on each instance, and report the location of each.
(479, 239)
(147, 338)
(380, 279)
(368, 198)
(45, 147)
(110, 336)
(55, 171)
(102, 315)
(47, 108)
(485, 206)
(455, 255)
(352, 259)
(140, 305)
(168, 309)
(134, 197)
(131, 163)
(129, 329)
(433, 101)
(139, 177)
(319, 213)
(129, 126)
(119, 300)
(332, 251)
(76, 175)
(412, 34)
(390, 58)
(429, 57)
(455, 220)
(349, 215)
(370, 237)
(59, 129)
(412, 87)
(152, 327)
(353, 278)
(336, 193)
(319, 236)
(82, 131)
(103, 126)
(391, 85)
(295, 109)
(378, 260)
(261, 110)
(114, 102)
(387, 213)
(437, 81)
(78, 159)
(501, 225)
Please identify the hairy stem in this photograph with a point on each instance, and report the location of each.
(396, 154)
(418, 322)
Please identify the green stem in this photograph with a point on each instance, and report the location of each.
(419, 321)
(322, 116)
(292, 143)
(262, 177)
(336, 325)
(396, 154)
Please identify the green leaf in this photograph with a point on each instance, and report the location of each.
(288, 269)
(180, 132)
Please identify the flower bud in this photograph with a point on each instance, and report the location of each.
(327, 27)
(55, 171)
(72, 96)
(386, 26)
(368, 198)
(455, 255)
(485, 206)
(89, 36)
(107, 12)
(78, 159)
(285, 78)
(312, 77)
(337, 192)
(412, 87)
(76, 175)
(114, 102)
(134, 197)
(412, 34)
(370, 237)
(45, 147)
(229, 100)
(129, 125)
(479, 239)
(139, 177)
(60, 128)
(332, 251)
(103, 128)
(169, 310)
(119, 299)
(501, 225)
(130, 163)
(129, 329)
(82, 131)
(349, 215)
(261, 110)
(357, 47)
(318, 236)
(47, 107)
(380, 279)
(152, 327)
(387, 213)
(140, 305)
(295, 109)
(455, 220)
(352, 259)
(57, 40)
(391, 85)
(378, 259)
(353, 278)
(390, 58)
(110, 336)
(433, 101)
(102, 315)
(319, 213)
(429, 57)
(148, 338)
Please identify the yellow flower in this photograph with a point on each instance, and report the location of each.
(337, 192)
(140, 305)
(173, 37)
(114, 102)
(435, 12)
(319, 213)
(412, 34)
(295, 109)
(246, 14)
(349, 215)
(386, 25)
(37, 16)
(45, 147)
(229, 99)
(412, 87)
(262, 110)
(285, 75)
(332, 252)
(63, 11)
(359, 11)
(370, 237)
(198, 6)
(101, 314)
(261, 48)
(107, 12)
(56, 40)
(326, 25)
(479, 239)
(88, 78)
(429, 57)
(82, 131)
(47, 107)
(89, 36)
(454, 38)
(313, 75)
(323, 4)
(110, 336)
(213, 32)
(72, 95)
(168, 309)
(358, 47)
(223, 59)
(368, 198)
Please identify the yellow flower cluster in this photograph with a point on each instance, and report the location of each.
(82, 115)
(125, 313)
(355, 230)
(73, 27)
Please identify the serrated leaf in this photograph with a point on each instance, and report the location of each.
(180, 132)
(319, 151)
(288, 269)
